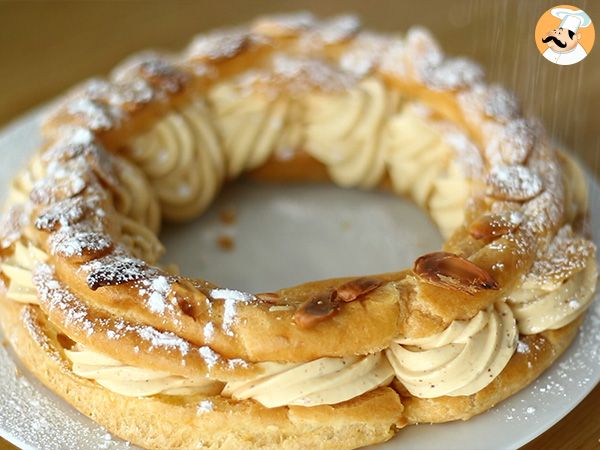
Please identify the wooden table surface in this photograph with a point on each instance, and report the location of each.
(46, 47)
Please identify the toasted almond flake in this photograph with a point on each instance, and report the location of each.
(318, 309)
(453, 272)
(354, 289)
(490, 226)
(280, 308)
(269, 297)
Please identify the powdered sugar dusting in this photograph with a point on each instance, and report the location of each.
(32, 416)
(513, 183)
(209, 331)
(156, 292)
(74, 241)
(154, 75)
(11, 225)
(230, 299)
(95, 114)
(450, 74)
(332, 31)
(57, 297)
(517, 140)
(210, 357)
(218, 44)
(467, 154)
(52, 189)
(302, 74)
(63, 213)
(367, 51)
(114, 269)
(126, 95)
(501, 104)
(161, 339)
(566, 255)
(231, 295)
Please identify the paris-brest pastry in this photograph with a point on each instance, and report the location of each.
(166, 361)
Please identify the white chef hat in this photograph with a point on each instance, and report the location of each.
(571, 19)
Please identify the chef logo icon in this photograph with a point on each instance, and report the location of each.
(564, 35)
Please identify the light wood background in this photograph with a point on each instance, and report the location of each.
(46, 47)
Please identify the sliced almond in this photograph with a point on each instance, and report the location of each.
(490, 226)
(319, 308)
(453, 272)
(354, 289)
(50, 190)
(269, 297)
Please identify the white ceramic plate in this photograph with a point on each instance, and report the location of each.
(285, 235)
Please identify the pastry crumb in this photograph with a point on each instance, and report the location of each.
(225, 243)
(228, 216)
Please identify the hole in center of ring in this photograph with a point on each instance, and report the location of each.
(260, 237)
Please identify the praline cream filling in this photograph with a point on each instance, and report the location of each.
(252, 125)
(461, 360)
(359, 135)
(181, 155)
(325, 381)
(134, 381)
(18, 268)
(345, 131)
(537, 309)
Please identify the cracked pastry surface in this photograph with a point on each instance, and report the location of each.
(337, 363)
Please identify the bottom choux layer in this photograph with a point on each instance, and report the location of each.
(203, 422)
(217, 422)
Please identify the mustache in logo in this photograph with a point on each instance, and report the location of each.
(555, 40)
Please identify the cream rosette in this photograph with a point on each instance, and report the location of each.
(422, 162)
(344, 131)
(181, 155)
(461, 360)
(136, 202)
(559, 287)
(252, 124)
(325, 381)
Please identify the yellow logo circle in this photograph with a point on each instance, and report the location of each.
(565, 35)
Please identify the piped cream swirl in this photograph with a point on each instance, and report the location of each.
(18, 269)
(422, 165)
(325, 381)
(252, 125)
(182, 156)
(461, 360)
(560, 285)
(537, 309)
(344, 131)
(134, 381)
